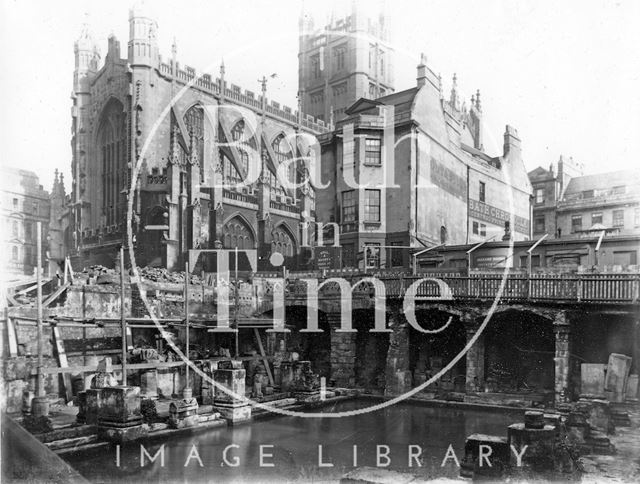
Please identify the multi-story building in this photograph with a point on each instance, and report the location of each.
(189, 139)
(349, 58)
(548, 188)
(576, 206)
(24, 203)
(447, 189)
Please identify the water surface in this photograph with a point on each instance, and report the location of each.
(295, 442)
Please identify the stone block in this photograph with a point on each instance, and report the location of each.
(592, 379)
(498, 458)
(14, 391)
(208, 389)
(540, 442)
(91, 411)
(123, 434)
(234, 414)
(616, 378)
(120, 406)
(597, 412)
(286, 376)
(184, 412)
(631, 392)
(534, 420)
(149, 384)
(165, 383)
(233, 380)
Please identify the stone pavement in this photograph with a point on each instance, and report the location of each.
(624, 466)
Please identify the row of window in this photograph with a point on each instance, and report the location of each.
(596, 218)
(350, 206)
(339, 60)
(34, 206)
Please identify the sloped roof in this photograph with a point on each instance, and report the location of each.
(603, 181)
(539, 173)
(400, 100)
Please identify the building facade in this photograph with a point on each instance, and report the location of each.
(345, 60)
(190, 158)
(571, 205)
(24, 203)
(408, 170)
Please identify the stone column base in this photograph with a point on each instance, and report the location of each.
(234, 413)
(123, 434)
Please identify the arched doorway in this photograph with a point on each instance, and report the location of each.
(430, 352)
(519, 350)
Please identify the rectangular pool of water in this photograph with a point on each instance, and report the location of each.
(290, 446)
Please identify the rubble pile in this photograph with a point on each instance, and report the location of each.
(98, 274)
(157, 274)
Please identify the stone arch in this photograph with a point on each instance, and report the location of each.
(238, 232)
(519, 349)
(283, 240)
(428, 353)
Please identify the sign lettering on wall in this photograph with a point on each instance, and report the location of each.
(497, 216)
(448, 180)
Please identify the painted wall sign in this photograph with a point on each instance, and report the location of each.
(448, 180)
(496, 216)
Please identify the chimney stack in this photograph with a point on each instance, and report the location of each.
(511, 141)
(422, 71)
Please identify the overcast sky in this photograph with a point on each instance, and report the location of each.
(564, 73)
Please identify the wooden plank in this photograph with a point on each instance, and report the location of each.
(264, 356)
(55, 295)
(11, 300)
(11, 337)
(62, 362)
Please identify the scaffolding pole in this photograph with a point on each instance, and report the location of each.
(123, 320)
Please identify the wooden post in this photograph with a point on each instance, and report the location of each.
(40, 386)
(123, 320)
(186, 319)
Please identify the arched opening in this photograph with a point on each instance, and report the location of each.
(194, 121)
(519, 350)
(371, 352)
(238, 233)
(283, 241)
(429, 353)
(112, 163)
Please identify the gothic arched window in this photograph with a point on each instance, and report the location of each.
(194, 121)
(238, 234)
(283, 242)
(112, 150)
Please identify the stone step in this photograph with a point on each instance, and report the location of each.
(72, 442)
(70, 432)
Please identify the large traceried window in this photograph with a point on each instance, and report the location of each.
(240, 134)
(112, 150)
(282, 242)
(238, 234)
(283, 152)
(194, 121)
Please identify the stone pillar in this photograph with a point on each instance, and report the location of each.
(562, 330)
(234, 409)
(474, 381)
(343, 353)
(398, 378)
